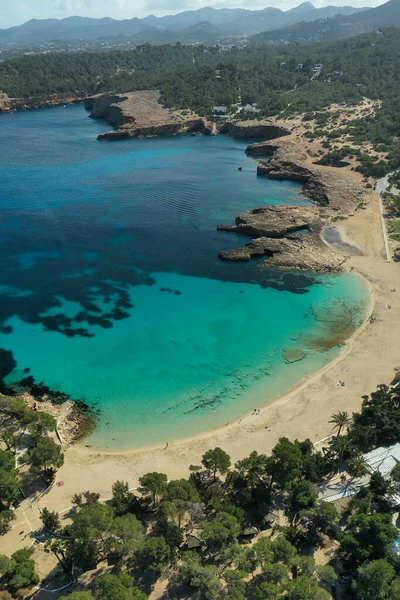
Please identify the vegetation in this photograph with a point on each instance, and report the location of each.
(364, 66)
(223, 507)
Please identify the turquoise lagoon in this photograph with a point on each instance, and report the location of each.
(112, 291)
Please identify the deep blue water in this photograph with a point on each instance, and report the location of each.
(111, 287)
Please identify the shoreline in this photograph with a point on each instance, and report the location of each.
(342, 353)
(301, 412)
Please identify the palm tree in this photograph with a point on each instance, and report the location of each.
(340, 446)
(340, 420)
(358, 466)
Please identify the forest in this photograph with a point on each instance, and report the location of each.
(281, 80)
(248, 531)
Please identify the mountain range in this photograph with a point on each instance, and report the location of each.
(205, 24)
(334, 28)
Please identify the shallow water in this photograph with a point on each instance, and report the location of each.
(112, 290)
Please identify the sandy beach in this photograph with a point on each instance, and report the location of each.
(304, 412)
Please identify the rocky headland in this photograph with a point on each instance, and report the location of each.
(290, 237)
(263, 129)
(8, 104)
(140, 114)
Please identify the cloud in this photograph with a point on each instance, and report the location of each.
(15, 12)
(173, 5)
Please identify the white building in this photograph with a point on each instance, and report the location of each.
(380, 460)
(251, 109)
(220, 110)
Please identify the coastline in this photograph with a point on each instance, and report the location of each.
(342, 354)
(301, 412)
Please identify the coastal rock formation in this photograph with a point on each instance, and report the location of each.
(290, 236)
(140, 114)
(254, 129)
(12, 104)
(321, 184)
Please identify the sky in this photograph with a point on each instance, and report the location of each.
(16, 12)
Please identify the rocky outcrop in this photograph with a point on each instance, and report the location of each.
(163, 129)
(275, 221)
(321, 184)
(140, 114)
(254, 129)
(290, 236)
(12, 104)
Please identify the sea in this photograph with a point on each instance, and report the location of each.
(112, 290)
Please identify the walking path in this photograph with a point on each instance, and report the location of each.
(381, 186)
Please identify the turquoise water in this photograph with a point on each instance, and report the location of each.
(111, 287)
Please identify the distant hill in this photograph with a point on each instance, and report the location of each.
(335, 28)
(205, 24)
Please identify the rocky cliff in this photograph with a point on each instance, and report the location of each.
(140, 114)
(12, 104)
(290, 236)
(321, 184)
(262, 129)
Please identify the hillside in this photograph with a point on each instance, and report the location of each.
(337, 27)
(221, 22)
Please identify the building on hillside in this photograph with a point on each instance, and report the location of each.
(193, 540)
(249, 532)
(381, 460)
(220, 110)
(251, 109)
(317, 68)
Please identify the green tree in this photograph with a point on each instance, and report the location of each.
(282, 550)
(306, 588)
(394, 590)
(42, 423)
(268, 591)
(79, 596)
(284, 464)
(122, 500)
(126, 535)
(373, 580)
(318, 520)
(203, 580)
(367, 537)
(91, 497)
(154, 554)
(182, 490)
(154, 485)
(340, 420)
(358, 466)
(9, 480)
(303, 495)
(58, 548)
(275, 573)
(223, 530)
(50, 519)
(236, 589)
(116, 587)
(6, 516)
(216, 461)
(11, 440)
(89, 531)
(45, 457)
(23, 573)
